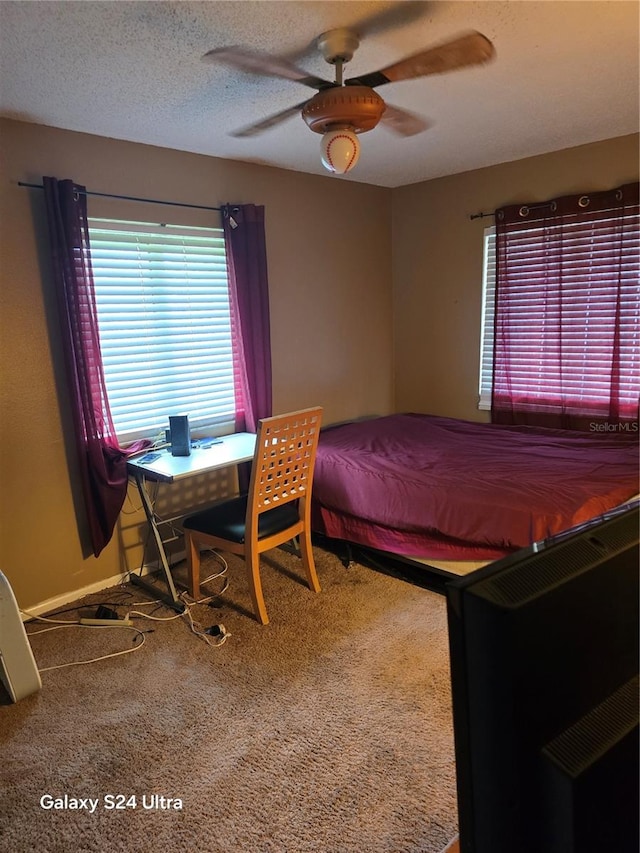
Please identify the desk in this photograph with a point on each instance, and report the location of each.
(161, 466)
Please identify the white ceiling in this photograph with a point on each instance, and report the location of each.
(566, 73)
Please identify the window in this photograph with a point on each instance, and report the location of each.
(165, 331)
(488, 317)
(594, 315)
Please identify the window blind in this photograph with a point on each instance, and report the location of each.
(573, 299)
(488, 317)
(165, 332)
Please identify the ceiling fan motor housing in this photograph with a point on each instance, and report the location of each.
(356, 107)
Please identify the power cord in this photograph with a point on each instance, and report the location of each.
(217, 631)
(105, 617)
(60, 625)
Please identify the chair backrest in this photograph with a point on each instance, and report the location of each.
(285, 456)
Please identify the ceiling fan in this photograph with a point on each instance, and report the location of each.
(342, 109)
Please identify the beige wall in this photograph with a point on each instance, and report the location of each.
(329, 257)
(437, 264)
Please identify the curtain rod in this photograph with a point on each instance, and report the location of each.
(526, 208)
(129, 198)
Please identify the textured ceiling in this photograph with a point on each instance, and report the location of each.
(566, 73)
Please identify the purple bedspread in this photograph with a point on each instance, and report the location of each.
(404, 479)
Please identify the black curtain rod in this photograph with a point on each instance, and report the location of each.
(129, 198)
(525, 207)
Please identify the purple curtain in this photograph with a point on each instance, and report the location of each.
(249, 296)
(566, 349)
(103, 464)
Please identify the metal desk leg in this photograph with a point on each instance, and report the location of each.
(170, 598)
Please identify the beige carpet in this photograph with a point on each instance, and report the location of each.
(327, 730)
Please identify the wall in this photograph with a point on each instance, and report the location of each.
(328, 244)
(437, 264)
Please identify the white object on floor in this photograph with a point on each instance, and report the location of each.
(18, 669)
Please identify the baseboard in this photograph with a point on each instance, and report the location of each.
(73, 595)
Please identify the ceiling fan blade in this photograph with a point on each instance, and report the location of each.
(470, 49)
(402, 121)
(398, 15)
(263, 63)
(270, 121)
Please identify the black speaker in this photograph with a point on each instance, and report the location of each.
(180, 435)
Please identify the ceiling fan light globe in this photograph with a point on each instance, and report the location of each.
(339, 151)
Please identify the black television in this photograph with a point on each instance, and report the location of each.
(544, 675)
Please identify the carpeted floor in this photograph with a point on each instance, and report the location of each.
(327, 730)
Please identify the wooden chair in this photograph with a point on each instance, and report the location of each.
(276, 509)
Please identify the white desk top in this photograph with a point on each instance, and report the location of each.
(233, 449)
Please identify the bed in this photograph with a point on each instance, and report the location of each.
(441, 489)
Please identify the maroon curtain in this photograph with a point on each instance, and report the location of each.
(103, 464)
(566, 339)
(249, 296)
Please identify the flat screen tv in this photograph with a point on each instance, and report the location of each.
(544, 673)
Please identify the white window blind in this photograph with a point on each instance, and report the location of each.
(488, 316)
(165, 335)
(562, 341)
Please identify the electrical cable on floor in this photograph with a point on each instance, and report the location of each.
(199, 632)
(195, 627)
(221, 633)
(48, 619)
(59, 626)
(86, 604)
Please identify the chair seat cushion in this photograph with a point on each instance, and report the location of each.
(227, 520)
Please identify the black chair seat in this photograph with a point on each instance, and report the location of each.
(227, 520)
